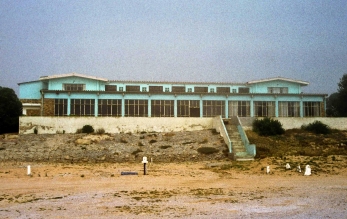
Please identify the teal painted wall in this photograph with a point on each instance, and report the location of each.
(30, 90)
(261, 87)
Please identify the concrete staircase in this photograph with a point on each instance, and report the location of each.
(239, 152)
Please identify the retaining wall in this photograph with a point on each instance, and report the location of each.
(53, 125)
(291, 123)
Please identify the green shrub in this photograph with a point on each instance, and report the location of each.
(100, 131)
(87, 129)
(267, 127)
(35, 131)
(317, 127)
(207, 150)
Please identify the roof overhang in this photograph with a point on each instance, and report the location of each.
(72, 75)
(303, 83)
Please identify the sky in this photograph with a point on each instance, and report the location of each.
(168, 40)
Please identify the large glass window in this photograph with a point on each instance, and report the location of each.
(74, 87)
(200, 89)
(156, 89)
(213, 108)
(82, 107)
(60, 107)
(277, 90)
(311, 109)
(264, 108)
(188, 108)
(110, 87)
(178, 89)
(288, 109)
(162, 108)
(136, 108)
(239, 108)
(132, 88)
(110, 107)
(223, 89)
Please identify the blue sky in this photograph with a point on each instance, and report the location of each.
(209, 41)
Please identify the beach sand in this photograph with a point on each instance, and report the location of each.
(207, 189)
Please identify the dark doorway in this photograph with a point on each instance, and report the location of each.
(194, 112)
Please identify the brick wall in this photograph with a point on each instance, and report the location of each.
(48, 107)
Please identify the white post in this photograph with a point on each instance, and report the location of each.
(307, 170)
(28, 170)
(268, 169)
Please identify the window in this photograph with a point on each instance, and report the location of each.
(264, 108)
(110, 107)
(211, 90)
(234, 90)
(190, 90)
(162, 108)
(144, 89)
(223, 89)
(82, 107)
(239, 108)
(200, 89)
(244, 90)
(213, 108)
(74, 87)
(277, 90)
(188, 108)
(156, 89)
(121, 88)
(311, 109)
(136, 108)
(131, 88)
(110, 87)
(167, 89)
(288, 109)
(60, 107)
(178, 89)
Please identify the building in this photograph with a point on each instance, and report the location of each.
(81, 95)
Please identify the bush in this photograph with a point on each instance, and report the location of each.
(100, 131)
(267, 127)
(87, 129)
(317, 127)
(207, 150)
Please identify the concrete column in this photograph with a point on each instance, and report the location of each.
(123, 106)
(226, 109)
(96, 108)
(301, 108)
(252, 108)
(149, 107)
(201, 108)
(68, 105)
(175, 107)
(276, 107)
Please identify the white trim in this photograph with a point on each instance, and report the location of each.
(72, 75)
(304, 83)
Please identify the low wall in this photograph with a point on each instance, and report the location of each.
(291, 123)
(53, 125)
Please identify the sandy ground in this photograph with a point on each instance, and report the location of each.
(169, 190)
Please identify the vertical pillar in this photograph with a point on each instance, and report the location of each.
(252, 108)
(301, 108)
(226, 108)
(276, 107)
(149, 107)
(123, 106)
(96, 104)
(201, 108)
(175, 107)
(68, 106)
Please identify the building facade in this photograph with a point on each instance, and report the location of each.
(81, 95)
